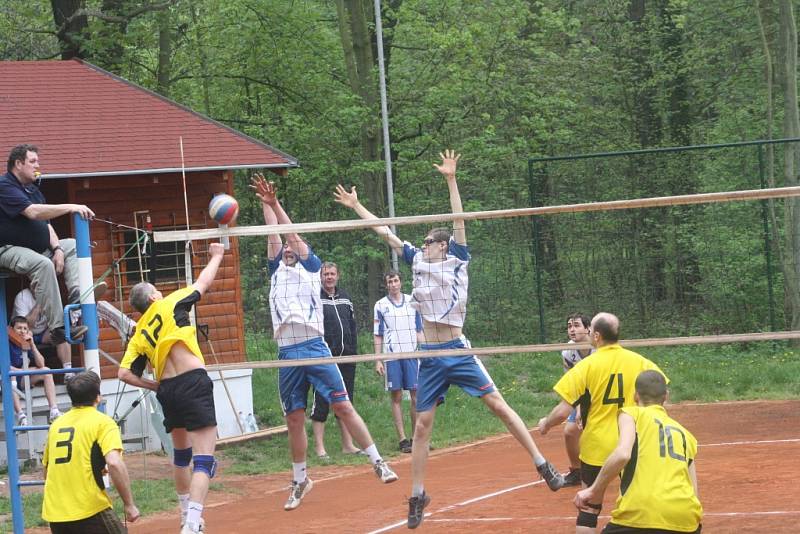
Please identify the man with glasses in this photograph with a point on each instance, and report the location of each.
(440, 295)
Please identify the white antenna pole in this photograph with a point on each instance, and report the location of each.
(187, 253)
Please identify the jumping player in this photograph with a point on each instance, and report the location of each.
(398, 327)
(297, 321)
(440, 295)
(601, 385)
(578, 332)
(167, 340)
(658, 490)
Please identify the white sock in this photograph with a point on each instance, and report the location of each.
(372, 452)
(299, 471)
(539, 461)
(417, 490)
(183, 499)
(66, 365)
(194, 512)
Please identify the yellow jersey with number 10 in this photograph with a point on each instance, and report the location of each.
(656, 491)
(601, 385)
(165, 323)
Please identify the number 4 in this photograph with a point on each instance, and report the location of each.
(619, 400)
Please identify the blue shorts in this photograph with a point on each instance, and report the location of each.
(573, 417)
(294, 382)
(401, 374)
(437, 374)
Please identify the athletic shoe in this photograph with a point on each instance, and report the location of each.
(54, 414)
(22, 419)
(573, 478)
(405, 446)
(186, 529)
(299, 490)
(553, 478)
(58, 336)
(416, 509)
(384, 472)
(201, 528)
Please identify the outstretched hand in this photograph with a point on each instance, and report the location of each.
(449, 163)
(216, 249)
(265, 191)
(345, 198)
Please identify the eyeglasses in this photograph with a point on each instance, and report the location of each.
(429, 240)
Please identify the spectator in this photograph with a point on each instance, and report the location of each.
(20, 326)
(341, 337)
(28, 243)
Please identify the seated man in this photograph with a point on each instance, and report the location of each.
(20, 326)
(28, 243)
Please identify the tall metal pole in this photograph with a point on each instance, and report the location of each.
(91, 354)
(387, 148)
(767, 246)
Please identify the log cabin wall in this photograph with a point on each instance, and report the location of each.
(128, 200)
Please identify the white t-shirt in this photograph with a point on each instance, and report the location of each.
(397, 323)
(294, 300)
(440, 288)
(23, 304)
(572, 356)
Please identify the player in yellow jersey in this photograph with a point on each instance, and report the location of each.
(658, 490)
(601, 386)
(166, 339)
(80, 444)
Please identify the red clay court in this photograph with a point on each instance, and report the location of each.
(747, 469)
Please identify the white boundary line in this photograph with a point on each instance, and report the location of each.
(572, 517)
(530, 484)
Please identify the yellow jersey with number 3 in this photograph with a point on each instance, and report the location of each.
(165, 323)
(656, 491)
(74, 457)
(601, 385)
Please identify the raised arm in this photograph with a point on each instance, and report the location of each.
(350, 200)
(265, 191)
(448, 170)
(207, 275)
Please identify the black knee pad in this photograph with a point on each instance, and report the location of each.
(586, 519)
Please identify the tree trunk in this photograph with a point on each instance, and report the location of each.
(70, 30)
(164, 69)
(357, 40)
(791, 128)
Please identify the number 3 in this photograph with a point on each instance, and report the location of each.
(66, 443)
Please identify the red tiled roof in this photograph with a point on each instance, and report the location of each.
(88, 122)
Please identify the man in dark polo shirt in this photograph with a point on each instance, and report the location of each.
(28, 243)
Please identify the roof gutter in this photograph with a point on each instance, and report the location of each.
(169, 170)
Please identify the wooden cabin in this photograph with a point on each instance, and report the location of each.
(116, 147)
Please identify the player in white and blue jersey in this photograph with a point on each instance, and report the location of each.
(297, 321)
(440, 295)
(398, 327)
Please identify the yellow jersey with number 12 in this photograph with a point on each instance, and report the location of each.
(74, 457)
(655, 490)
(165, 323)
(601, 385)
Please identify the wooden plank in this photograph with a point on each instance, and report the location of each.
(267, 433)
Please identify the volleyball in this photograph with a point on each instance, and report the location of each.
(223, 208)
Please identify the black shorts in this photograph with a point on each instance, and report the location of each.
(589, 473)
(188, 401)
(105, 522)
(320, 410)
(611, 528)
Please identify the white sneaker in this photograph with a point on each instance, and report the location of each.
(201, 528)
(384, 472)
(54, 414)
(299, 490)
(22, 419)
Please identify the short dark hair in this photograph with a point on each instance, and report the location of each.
(19, 153)
(83, 388)
(17, 319)
(391, 274)
(329, 265)
(585, 320)
(651, 386)
(607, 330)
(440, 234)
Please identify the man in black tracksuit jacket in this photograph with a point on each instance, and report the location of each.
(341, 337)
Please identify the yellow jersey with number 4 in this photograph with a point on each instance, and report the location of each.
(656, 491)
(74, 457)
(601, 385)
(165, 323)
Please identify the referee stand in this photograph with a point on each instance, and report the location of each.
(90, 357)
